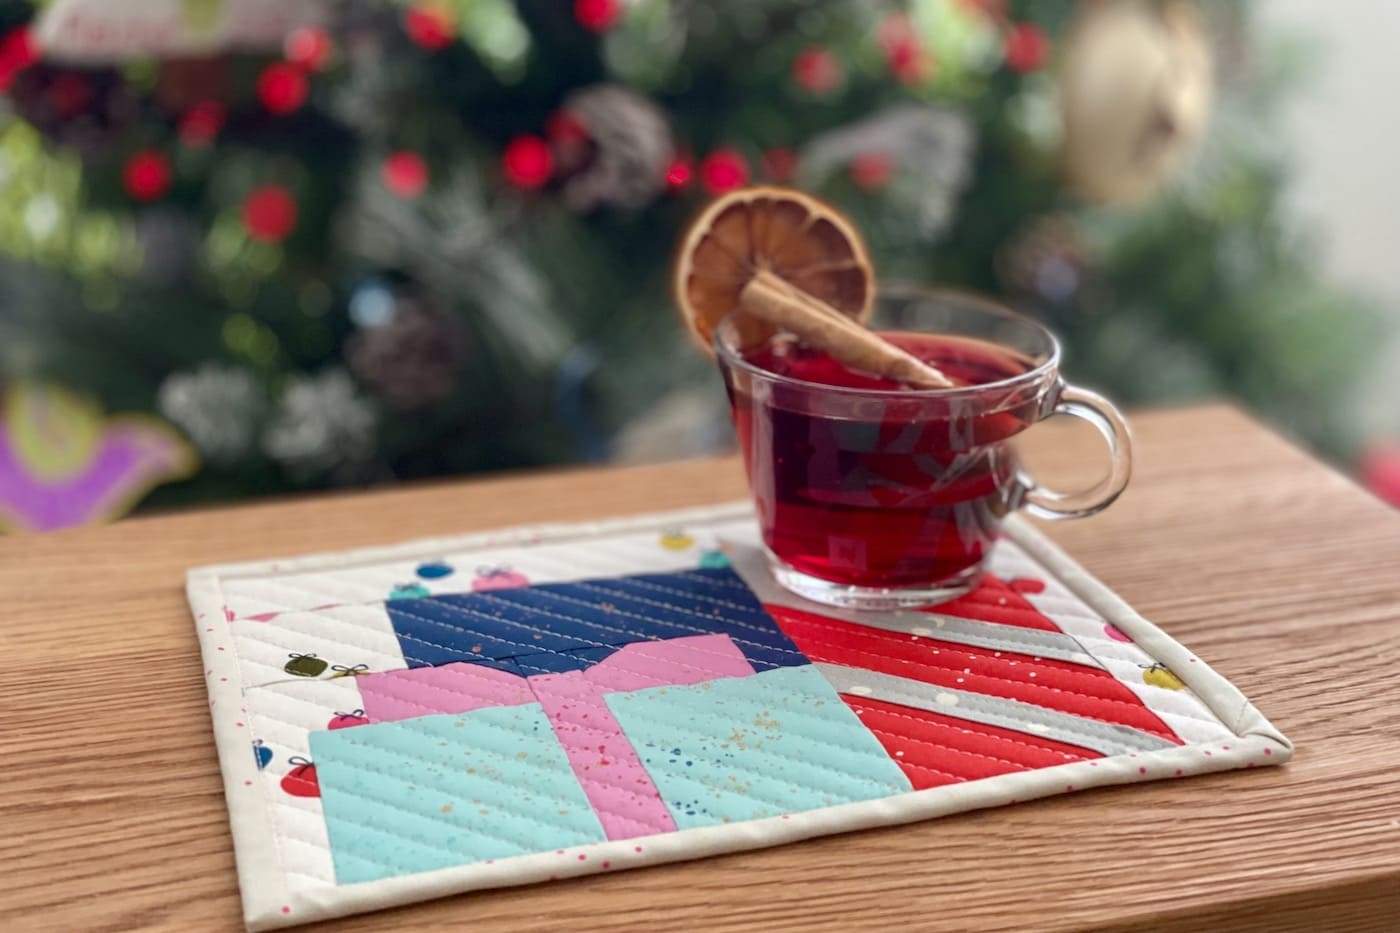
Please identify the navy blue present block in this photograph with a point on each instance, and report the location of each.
(557, 627)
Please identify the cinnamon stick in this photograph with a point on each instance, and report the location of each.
(817, 323)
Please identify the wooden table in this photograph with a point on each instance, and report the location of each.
(1279, 572)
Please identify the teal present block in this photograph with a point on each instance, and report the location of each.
(443, 790)
(746, 748)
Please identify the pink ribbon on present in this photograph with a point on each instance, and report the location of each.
(607, 766)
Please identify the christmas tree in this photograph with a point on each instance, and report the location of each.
(336, 242)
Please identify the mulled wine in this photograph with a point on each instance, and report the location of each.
(861, 481)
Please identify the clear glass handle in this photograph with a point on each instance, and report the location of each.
(1098, 411)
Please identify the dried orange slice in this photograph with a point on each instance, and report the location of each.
(792, 235)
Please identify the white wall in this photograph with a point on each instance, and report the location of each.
(1344, 128)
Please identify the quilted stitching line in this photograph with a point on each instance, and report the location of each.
(957, 778)
(266, 812)
(525, 666)
(456, 651)
(1100, 655)
(636, 582)
(979, 735)
(1066, 692)
(1006, 640)
(529, 648)
(269, 634)
(688, 628)
(805, 762)
(703, 631)
(1071, 724)
(459, 857)
(272, 581)
(290, 836)
(588, 778)
(285, 697)
(513, 762)
(1069, 607)
(389, 694)
(960, 751)
(755, 609)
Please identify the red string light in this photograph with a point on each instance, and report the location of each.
(724, 170)
(817, 71)
(1026, 48)
(405, 173)
(282, 88)
(679, 173)
(17, 52)
(310, 47)
(430, 25)
(146, 175)
(597, 15)
(269, 213)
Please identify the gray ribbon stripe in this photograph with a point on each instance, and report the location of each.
(1106, 738)
(749, 563)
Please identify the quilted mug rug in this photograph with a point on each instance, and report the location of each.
(538, 704)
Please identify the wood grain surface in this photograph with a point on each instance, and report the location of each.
(1279, 572)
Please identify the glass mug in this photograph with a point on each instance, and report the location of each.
(879, 498)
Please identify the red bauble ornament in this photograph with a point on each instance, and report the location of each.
(872, 170)
(282, 88)
(269, 213)
(724, 170)
(430, 25)
(527, 162)
(1026, 48)
(146, 176)
(405, 173)
(817, 71)
(201, 123)
(1380, 471)
(597, 15)
(906, 56)
(301, 781)
(779, 164)
(309, 47)
(17, 52)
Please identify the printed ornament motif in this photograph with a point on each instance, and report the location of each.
(498, 578)
(305, 665)
(714, 560)
(301, 780)
(63, 464)
(677, 540)
(1159, 675)
(261, 754)
(414, 590)
(356, 717)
